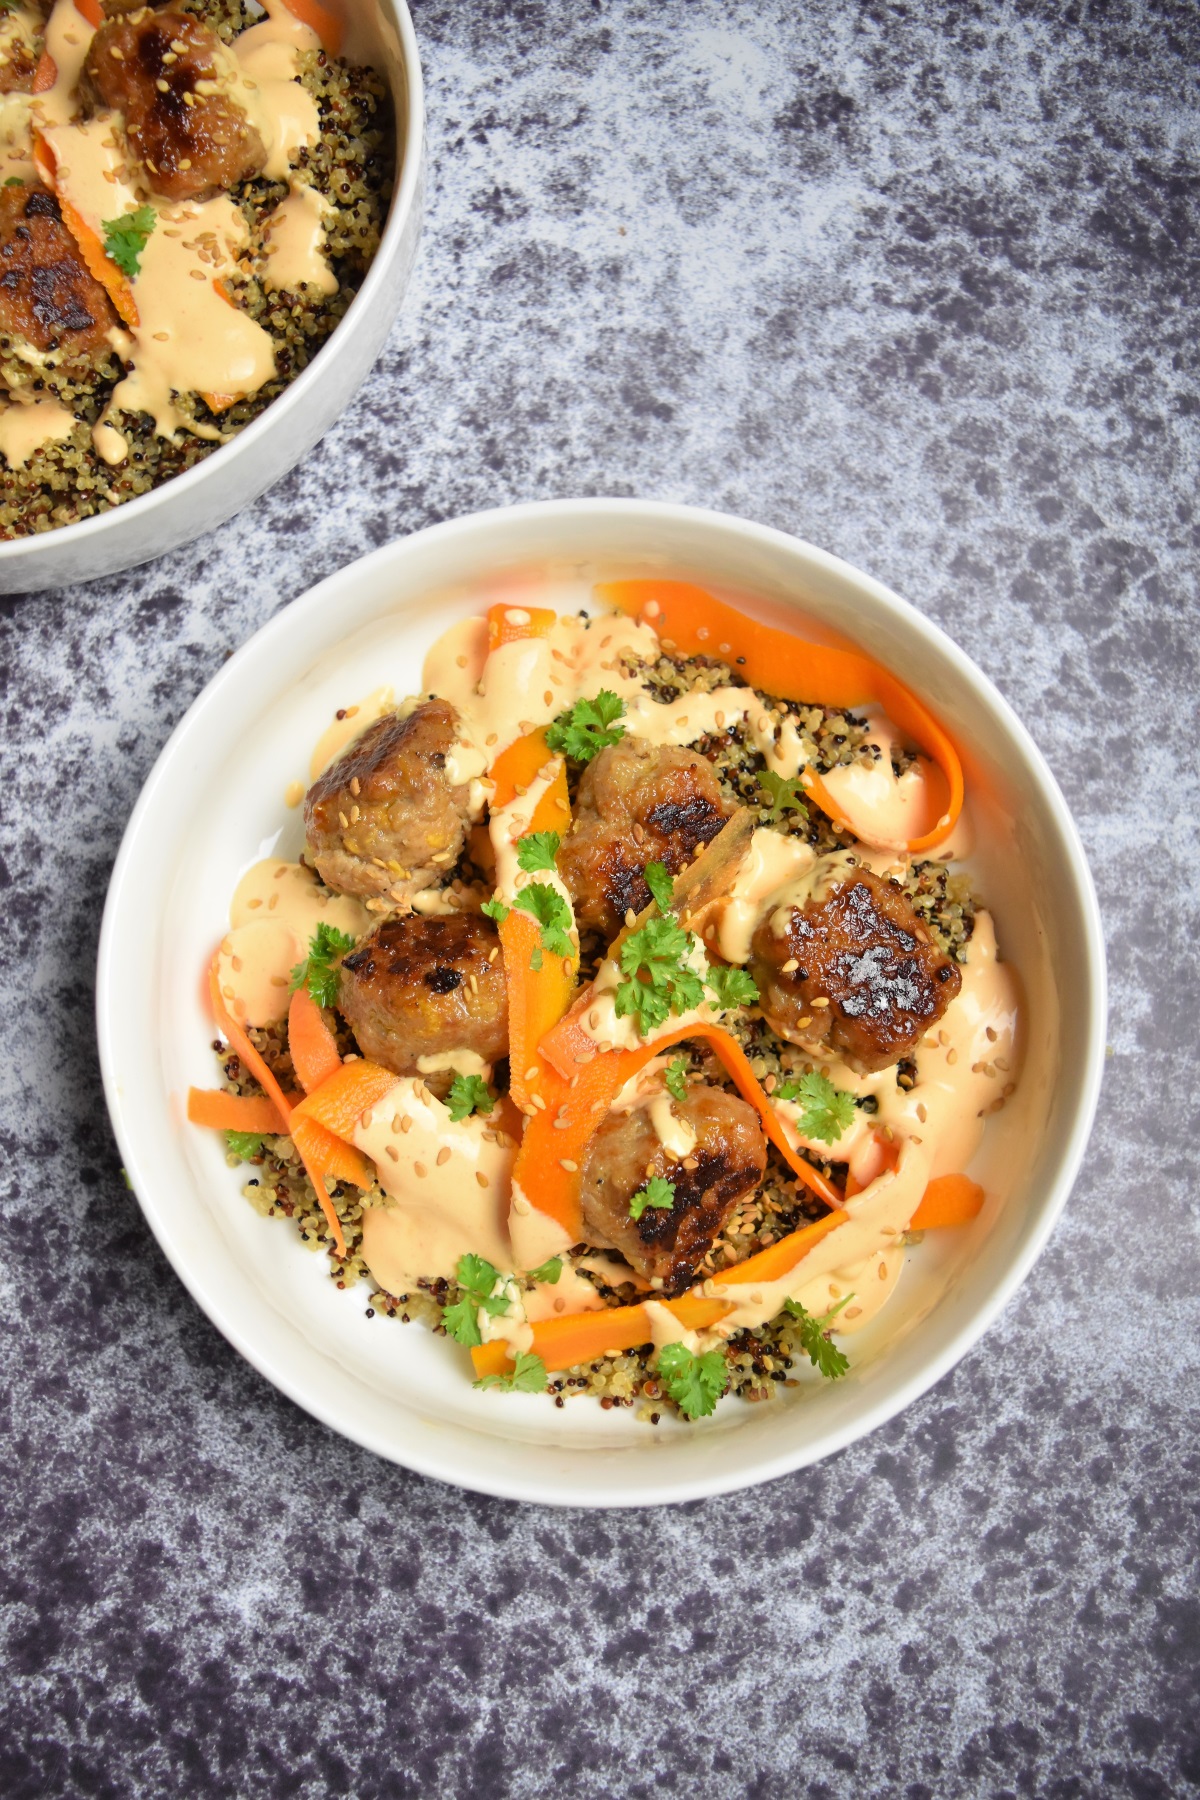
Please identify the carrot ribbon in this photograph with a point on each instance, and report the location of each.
(777, 662)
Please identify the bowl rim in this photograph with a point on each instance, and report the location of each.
(17, 550)
(646, 1490)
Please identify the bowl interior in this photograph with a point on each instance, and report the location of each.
(216, 802)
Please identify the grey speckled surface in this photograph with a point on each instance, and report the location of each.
(918, 283)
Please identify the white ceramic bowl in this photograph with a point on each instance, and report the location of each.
(214, 803)
(379, 32)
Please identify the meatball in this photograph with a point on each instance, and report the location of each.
(422, 987)
(384, 818)
(47, 296)
(636, 804)
(728, 1160)
(856, 970)
(173, 80)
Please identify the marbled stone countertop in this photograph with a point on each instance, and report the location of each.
(917, 282)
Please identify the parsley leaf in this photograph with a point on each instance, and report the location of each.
(820, 1352)
(125, 238)
(245, 1145)
(661, 982)
(317, 972)
(495, 909)
(733, 987)
(589, 727)
(675, 1078)
(781, 794)
(538, 851)
(657, 1192)
(661, 885)
(552, 913)
(468, 1094)
(695, 1383)
(476, 1277)
(547, 1271)
(528, 1376)
(14, 180)
(825, 1111)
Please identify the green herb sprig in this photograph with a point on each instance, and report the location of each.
(589, 727)
(538, 851)
(468, 1094)
(658, 1192)
(783, 795)
(694, 1382)
(125, 238)
(476, 1277)
(825, 1111)
(659, 980)
(318, 972)
(247, 1146)
(675, 1078)
(823, 1355)
(528, 1376)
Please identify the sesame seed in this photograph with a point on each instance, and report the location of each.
(392, 1152)
(538, 1102)
(481, 1178)
(443, 1156)
(791, 965)
(820, 1002)
(420, 1169)
(572, 1168)
(406, 1122)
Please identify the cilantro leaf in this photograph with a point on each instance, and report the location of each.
(495, 909)
(661, 981)
(461, 1319)
(476, 1274)
(468, 1094)
(317, 972)
(733, 987)
(552, 913)
(825, 1111)
(538, 851)
(14, 180)
(589, 727)
(528, 1376)
(661, 885)
(675, 1078)
(245, 1145)
(781, 794)
(547, 1271)
(695, 1383)
(657, 1192)
(820, 1352)
(125, 238)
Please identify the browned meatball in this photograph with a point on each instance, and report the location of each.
(147, 65)
(862, 949)
(423, 987)
(383, 818)
(47, 296)
(636, 804)
(728, 1161)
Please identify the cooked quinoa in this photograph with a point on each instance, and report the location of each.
(759, 1362)
(352, 167)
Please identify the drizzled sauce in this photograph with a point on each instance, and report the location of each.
(275, 909)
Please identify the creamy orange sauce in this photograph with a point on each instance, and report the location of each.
(883, 809)
(295, 244)
(447, 1186)
(25, 429)
(525, 684)
(68, 39)
(275, 909)
(338, 737)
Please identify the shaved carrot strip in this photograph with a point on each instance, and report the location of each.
(328, 1152)
(948, 1200)
(92, 11)
(509, 624)
(774, 660)
(582, 1337)
(234, 1112)
(235, 1035)
(340, 1102)
(780, 1259)
(313, 1046)
(327, 25)
(537, 998)
(46, 73)
(99, 264)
